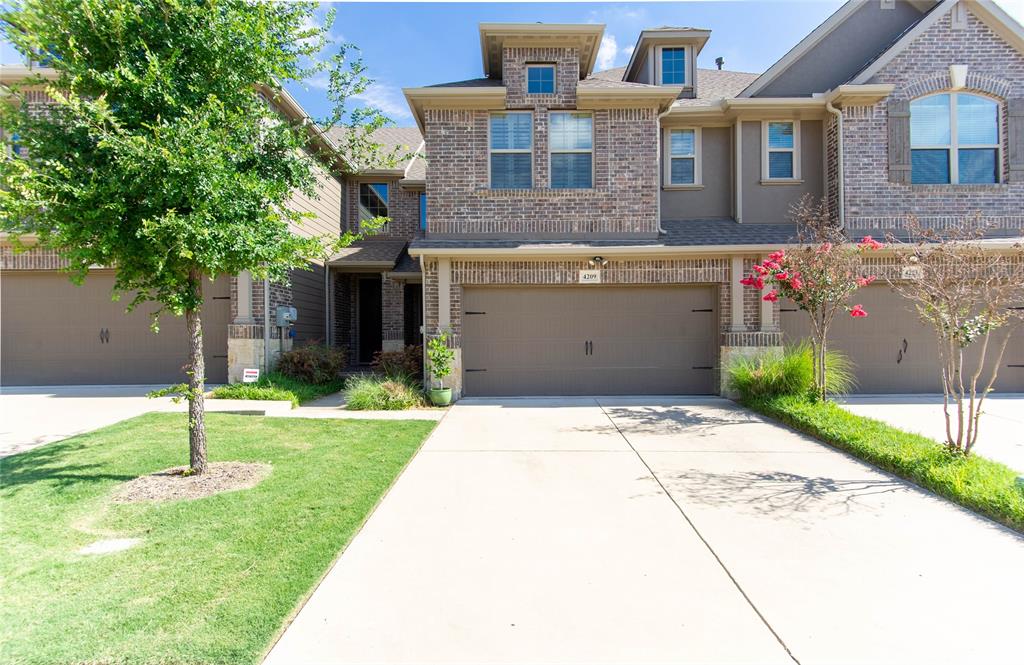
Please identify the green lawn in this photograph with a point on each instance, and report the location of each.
(974, 482)
(214, 578)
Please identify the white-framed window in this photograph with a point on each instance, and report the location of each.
(540, 79)
(673, 65)
(954, 139)
(511, 146)
(780, 150)
(571, 146)
(682, 157)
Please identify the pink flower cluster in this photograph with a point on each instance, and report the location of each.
(789, 281)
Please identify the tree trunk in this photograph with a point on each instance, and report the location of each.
(196, 380)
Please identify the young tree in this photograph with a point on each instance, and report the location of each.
(161, 156)
(819, 275)
(970, 295)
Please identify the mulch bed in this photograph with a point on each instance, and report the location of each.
(172, 485)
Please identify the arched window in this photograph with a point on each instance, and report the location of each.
(954, 138)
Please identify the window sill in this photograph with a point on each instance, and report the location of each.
(682, 188)
(535, 192)
(965, 187)
(781, 182)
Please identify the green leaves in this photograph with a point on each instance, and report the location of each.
(158, 156)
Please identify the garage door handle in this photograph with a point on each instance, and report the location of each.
(702, 367)
(104, 335)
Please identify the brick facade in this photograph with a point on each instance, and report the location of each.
(567, 74)
(622, 202)
(995, 69)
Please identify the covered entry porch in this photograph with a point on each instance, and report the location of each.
(376, 300)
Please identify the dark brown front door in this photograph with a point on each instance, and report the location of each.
(414, 314)
(370, 318)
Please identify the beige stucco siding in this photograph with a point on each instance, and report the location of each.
(771, 203)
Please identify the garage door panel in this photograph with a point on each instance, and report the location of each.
(892, 350)
(532, 340)
(51, 333)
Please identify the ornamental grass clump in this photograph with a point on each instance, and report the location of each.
(376, 393)
(787, 372)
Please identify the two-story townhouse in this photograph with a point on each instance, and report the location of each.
(54, 332)
(587, 232)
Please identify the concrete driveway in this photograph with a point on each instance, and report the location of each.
(657, 531)
(1001, 436)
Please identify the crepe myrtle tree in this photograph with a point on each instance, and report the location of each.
(972, 296)
(162, 156)
(820, 275)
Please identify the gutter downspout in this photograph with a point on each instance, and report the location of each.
(661, 167)
(839, 168)
(266, 325)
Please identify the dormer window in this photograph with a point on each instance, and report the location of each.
(673, 65)
(540, 79)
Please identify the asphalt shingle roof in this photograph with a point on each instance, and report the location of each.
(372, 251)
(680, 233)
(405, 139)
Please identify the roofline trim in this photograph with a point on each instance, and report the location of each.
(592, 96)
(488, 98)
(533, 29)
(635, 250)
(991, 14)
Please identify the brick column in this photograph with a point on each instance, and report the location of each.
(393, 315)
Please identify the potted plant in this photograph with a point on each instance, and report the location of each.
(440, 365)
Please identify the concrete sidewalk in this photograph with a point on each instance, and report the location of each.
(646, 530)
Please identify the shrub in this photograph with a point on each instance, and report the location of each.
(406, 364)
(313, 363)
(787, 372)
(276, 386)
(376, 393)
(262, 390)
(440, 357)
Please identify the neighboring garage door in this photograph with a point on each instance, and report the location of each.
(893, 352)
(598, 340)
(54, 332)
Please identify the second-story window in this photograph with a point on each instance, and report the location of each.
(954, 139)
(682, 157)
(572, 150)
(373, 200)
(673, 65)
(511, 150)
(780, 150)
(423, 211)
(540, 79)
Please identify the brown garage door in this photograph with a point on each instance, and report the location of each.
(892, 350)
(598, 340)
(54, 332)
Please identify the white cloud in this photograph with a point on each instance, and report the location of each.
(607, 53)
(388, 99)
(628, 51)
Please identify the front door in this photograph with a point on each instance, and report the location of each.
(370, 318)
(414, 314)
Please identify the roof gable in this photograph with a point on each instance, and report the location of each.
(853, 36)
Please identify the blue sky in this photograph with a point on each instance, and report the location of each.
(412, 44)
(419, 43)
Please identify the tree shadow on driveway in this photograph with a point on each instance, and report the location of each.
(777, 494)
